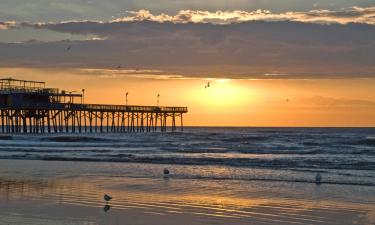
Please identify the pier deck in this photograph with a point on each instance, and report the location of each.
(47, 110)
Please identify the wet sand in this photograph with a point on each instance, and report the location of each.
(40, 192)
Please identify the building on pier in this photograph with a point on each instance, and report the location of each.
(30, 107)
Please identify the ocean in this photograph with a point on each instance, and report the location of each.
(217, 176)
(344, 156)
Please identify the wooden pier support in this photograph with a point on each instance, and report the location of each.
(84, 118)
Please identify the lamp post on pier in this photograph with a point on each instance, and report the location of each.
(83, 96)
(126, 98)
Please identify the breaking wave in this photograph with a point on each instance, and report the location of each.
(76, 139)
(297, 149)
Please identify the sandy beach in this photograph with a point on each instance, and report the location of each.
(40, 192)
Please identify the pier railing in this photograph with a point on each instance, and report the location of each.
(28, 90)
(97, 107)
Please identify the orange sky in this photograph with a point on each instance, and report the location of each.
(319, 102)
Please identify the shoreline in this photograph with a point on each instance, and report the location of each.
(37, 195)
(211, 178)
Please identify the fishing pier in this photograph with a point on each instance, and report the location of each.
(30, 107)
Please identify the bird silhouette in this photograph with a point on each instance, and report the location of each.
(207, 85)
(107, 198)
(166, 171)
(68, 48)
(119, 67)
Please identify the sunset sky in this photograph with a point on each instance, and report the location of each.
(270, 63)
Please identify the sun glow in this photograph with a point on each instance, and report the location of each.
(223, 92)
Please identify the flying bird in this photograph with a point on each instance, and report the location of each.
(107, 198)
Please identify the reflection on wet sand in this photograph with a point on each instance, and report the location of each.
(24, 188)
(237, 203)
(106, 208)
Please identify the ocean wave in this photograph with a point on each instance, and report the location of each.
(287, 149)
(311, 143)
(370, 152)
(59, 150)
(198, 150)
(245, 139)
(76, 139)
(359, 142)
(6, 137)
(274, 163)
(150, 148)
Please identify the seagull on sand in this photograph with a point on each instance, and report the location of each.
(208, 85)
(318, 178)
(107, 198)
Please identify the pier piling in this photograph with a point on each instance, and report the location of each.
(29, 107)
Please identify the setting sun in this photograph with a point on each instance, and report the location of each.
(222, 93)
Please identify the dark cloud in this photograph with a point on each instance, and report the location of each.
(252, 49)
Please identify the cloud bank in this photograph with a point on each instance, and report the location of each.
(7, 25)
(232, 44)
(351, 15)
